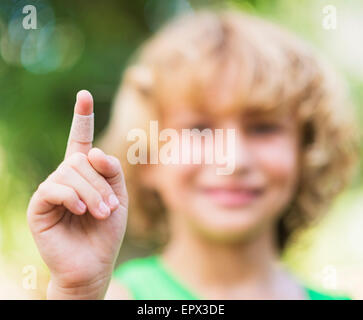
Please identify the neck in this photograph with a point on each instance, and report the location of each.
(246, 268)
(217, 262)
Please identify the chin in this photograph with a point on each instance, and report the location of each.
(230, 231)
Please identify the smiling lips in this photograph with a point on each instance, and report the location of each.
(232, 197)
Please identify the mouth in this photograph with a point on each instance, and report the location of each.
(232, 197)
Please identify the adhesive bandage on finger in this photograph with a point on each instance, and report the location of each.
(82, 128)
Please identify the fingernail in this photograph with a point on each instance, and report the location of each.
(105, 211)
(81, 206)
(113, 201)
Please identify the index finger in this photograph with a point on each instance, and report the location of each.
(81, 134)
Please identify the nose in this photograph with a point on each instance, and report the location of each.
(243, 153)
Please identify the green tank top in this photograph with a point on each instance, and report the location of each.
(148, 279)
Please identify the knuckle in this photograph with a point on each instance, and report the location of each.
(116, 162)
(77, 159)
(67, 191)
(118, 172)
(62, 172)
(43, 189)
(102, 187)
(98, 195)
(92, 196)
(104, 191)
(71, 194)
(96, 199)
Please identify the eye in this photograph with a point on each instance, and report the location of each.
(264, 128)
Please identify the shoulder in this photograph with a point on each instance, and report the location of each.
(139, 275)
(136, 267)
(314, 294)
(128, 275)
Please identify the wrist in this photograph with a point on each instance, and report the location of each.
(92, 290)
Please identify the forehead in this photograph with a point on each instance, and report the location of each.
(180, 113)
(213, 99)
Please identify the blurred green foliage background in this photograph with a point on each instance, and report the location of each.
(87, 44)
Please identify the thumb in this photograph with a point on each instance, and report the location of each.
(110, 168)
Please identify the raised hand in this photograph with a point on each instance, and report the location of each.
(78, 215)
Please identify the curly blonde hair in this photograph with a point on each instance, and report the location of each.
(223, 61)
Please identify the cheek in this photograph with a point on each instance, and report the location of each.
(175, 183)
(278, 159)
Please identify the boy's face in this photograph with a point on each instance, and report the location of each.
(251, 199)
